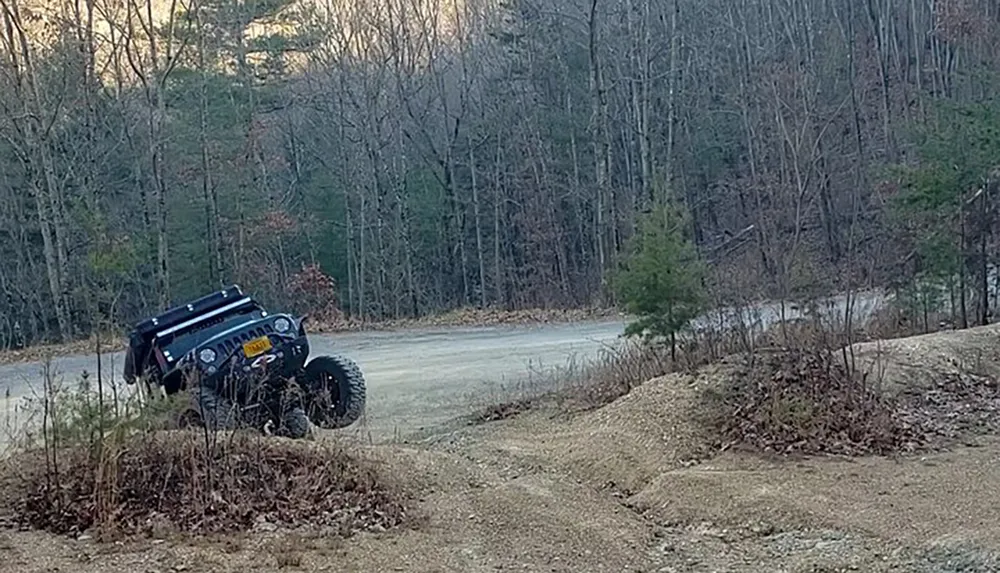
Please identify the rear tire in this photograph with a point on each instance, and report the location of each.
(335, 392)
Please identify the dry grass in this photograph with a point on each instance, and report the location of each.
(103, 463)
(616, 373)
(618, 370)
(582, 386)
(804, 402)
(178, 481)
(810, 402)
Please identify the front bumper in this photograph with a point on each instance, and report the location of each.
(285, 359)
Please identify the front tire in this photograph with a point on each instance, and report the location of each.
(214, 411)
(335, 392)
(295, 424)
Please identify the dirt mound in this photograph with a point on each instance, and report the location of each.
(917, 363)
(174, 481)
(902, 499)
(621, 446)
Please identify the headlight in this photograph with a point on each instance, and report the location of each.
(282, 324)
(207, 355)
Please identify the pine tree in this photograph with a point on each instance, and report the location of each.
(945, 205)
(661, 279)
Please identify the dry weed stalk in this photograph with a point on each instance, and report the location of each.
(106, 464)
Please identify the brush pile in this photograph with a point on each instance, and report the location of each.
(182, 482)
(808, 402)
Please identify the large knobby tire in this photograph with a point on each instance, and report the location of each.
(295, 424)
(202, 407)
(335, 392)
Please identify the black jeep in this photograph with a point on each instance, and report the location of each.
(242, 366)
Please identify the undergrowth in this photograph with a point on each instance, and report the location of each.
(804, 401)
(95, 457)
(809, 401)
(176, 481)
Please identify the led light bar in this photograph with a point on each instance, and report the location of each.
(203, 317)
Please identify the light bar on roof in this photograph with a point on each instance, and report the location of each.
(203, 317)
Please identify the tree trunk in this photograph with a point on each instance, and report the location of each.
(598, 124)
(48, 198)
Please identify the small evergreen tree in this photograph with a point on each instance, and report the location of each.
(661, 279)
(943, 207)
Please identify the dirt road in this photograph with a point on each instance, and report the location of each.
(416, 378)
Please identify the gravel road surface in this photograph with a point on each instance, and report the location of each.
(416, 378)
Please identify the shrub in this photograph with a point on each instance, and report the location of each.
(805, 401)
(177, 481)
(105, 463)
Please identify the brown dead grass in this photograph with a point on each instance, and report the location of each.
(469, 317)
(179, 481)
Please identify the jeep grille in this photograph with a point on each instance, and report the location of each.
(233, 342)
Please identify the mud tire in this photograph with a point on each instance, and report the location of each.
(295, 424)
(335, 392)
(204, 408)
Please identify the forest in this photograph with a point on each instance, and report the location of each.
(400, 158)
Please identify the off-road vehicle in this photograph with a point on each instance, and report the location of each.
(238, 365)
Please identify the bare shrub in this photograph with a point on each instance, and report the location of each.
(102, 463)
(805, 402)
(808, 401)
(581, 385)
(173, 480)
(895, 321)
(617, 372)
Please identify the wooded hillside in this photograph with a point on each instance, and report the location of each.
(431, 154)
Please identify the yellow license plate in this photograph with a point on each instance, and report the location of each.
(256, 346)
